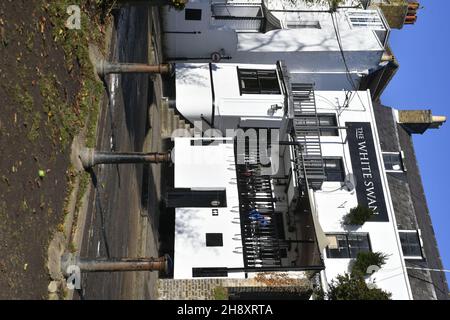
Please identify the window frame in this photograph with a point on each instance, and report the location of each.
(209, 272)
(215, 237)
(241, 23)
(321, 127)
(366, 15)
(419, 242)
(193, 15)
(259, 90)
(335, 130)
(348, 248)
(342, 167)
(401, 156)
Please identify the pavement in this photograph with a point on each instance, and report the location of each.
(123, 206)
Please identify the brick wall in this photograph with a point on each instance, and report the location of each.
(203, 289)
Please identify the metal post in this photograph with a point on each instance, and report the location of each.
(70, 263)
(105, 67)
(89, 157)
(124, 264)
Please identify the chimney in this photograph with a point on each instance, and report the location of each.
(411, 15)
(398, 12)
(418, 121)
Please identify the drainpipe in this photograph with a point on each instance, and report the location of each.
(105, 67)
(90, 157)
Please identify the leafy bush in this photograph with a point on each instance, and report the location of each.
(358, 216)
(347, 287)
(366, 259)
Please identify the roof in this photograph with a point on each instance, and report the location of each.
(377, 81)
(410, 206)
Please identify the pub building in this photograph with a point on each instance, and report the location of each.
(269, 189)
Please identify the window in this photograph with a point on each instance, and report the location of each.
(303, 25)
(357, 243)
(365, 19)
(325, 122)
(193, 14)
(242, 18)
(258, 81)
(209, 272)
(214, 240)
(334, 169)
(347, 245)
(411, 246)
(393, 161)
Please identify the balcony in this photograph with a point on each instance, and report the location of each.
(277, 230)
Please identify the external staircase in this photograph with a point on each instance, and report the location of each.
(306, 132)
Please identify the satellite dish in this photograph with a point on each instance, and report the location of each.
(350, 182)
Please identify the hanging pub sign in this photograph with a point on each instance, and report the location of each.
(369, 189)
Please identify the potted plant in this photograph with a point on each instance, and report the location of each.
(358, 216)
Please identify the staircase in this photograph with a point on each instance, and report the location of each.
(307, 133)
(170, 120)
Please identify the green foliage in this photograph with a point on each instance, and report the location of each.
(366, 259)
(358, 216)
(69, 119)
(220, 293)
(318, 294)
(347, 287)
(178, 4)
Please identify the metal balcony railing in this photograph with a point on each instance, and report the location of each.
(260, 239)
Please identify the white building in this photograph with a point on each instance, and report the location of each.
(332, 50)
(329, 161)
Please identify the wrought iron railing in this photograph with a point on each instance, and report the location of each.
(260, 238)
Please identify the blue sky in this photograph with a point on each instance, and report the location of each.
(423, 82)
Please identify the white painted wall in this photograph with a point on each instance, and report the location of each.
(206, 166)
(305, 51)
(194, 95)
(327, 80)
(333, 203)
(305, 5)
